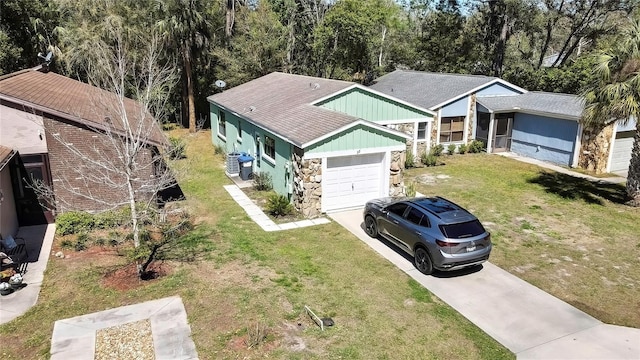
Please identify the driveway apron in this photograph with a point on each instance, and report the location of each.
(523, 318)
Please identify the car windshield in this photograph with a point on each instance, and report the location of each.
(462, 230)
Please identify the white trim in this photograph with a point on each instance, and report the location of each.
(438, 126)
(538, 113)
(375, 92)
(493, 82)
(611, 143)
(578, 145)
(353, 124)
(328, 154)
(465, 134)
(429, 129)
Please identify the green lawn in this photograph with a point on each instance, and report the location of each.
(572, 238)
(249, 278)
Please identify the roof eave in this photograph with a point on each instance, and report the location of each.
(492, 82)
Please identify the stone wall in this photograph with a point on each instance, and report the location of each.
(307, 185)
(595, 147)
(396, 180)
(471, 118)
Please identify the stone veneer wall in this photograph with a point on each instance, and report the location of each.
(396, 179)
(307, 185)
(471, 118)
(594, 150)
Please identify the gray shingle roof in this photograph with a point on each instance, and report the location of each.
(565, 105)
(428, 89)
(281, 103)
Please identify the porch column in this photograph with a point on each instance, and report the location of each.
(491, 133)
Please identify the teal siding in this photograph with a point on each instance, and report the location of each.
(358, 137)
(372, 107)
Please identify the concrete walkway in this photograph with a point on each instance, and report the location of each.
(256, 214)
(39, 239)
(523, 318)
(563, 170)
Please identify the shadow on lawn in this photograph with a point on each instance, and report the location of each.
(574, 188)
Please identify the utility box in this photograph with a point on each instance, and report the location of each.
(245, 161)
(233, 166)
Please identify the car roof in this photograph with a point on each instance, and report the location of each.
(444, 209)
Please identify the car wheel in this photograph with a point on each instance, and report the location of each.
(370, 226)
(422, 261)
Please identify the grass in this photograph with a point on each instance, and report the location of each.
(251, 277)
(570, 237)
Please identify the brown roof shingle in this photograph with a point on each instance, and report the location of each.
(281, 103)
(5, 155)
(72, 99)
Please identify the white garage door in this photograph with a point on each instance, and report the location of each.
(621, 155)
(351, 181)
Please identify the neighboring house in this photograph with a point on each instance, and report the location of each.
(42, 111)
(327, 144)
(505, 117)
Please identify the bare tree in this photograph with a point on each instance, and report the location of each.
(119, 161)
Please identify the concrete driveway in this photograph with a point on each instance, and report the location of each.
(523, 318)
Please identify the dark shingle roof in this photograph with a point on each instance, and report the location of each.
(428, 89)
(564, 105)
(72, 99)
(281, 103)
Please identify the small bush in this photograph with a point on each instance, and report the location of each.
(168, 126)
(451, 149)
(410, 189)
(177, 149)
(279, 205)
(410, 160)
(112, 219)
(476, 146)
(462, 148)
(256, 335)
(262, 181)
(66, 244)
(74, 222)
(81, 242)
(219, 150)
(429, 159)
(437, 150)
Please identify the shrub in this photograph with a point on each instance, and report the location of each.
(409, 161)
(476, 146)
(262, 181)
(74, 222)
(410, 189)
(167, 126)
(66, 244)
(112, 218)
(81, 242)
(279, 205)
(451, 149)
(462, 148)
(429, 159)
(219, 150)
(437, 150)
(177, 149)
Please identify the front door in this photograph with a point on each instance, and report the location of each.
(33, 206)
(502, 132)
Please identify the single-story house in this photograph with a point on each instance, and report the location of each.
(43, 116)
(505, 117)
(327, 144)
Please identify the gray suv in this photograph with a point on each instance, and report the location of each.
(436, 232)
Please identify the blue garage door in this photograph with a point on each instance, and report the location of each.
(544, 138)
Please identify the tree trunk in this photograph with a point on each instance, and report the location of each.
(189, 77)
(633, 178)
(230, 18)
(384, 34)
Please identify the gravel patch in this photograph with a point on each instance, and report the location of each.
(127, 341)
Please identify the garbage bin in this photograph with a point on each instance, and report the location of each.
(246, 166)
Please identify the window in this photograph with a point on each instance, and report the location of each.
(422, 131)
(417, 217)
(462, 230)
(239, 131)
(451, 129)
(222, 124)
(397, 209)
(269, 147)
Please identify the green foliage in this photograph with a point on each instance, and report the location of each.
(410, 160)
(177, 149)
(74, 222)
(219, 150)
(462, 148)
(437, 150)
(81, 242)
(410, 189)
(429, 159)
(279, 205)
(262, 181)
(451, 149)
(476, 146)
